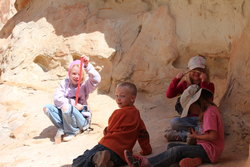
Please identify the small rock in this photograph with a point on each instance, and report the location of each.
(26, 144)
(12, 135)
(25, 115)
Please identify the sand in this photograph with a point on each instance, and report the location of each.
(27, 135)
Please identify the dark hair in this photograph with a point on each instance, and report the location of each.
(130, 86)
(205, 99)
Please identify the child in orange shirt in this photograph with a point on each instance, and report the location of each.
(125, 127)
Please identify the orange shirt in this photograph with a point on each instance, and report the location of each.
(125, 127)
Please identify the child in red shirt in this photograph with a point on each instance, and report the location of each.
(125, 127)
(198, 75)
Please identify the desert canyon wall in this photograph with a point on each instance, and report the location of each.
(143, 41)
(7, 10)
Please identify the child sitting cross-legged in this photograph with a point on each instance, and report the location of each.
(125, 127)
(210, 143)
(69, 115)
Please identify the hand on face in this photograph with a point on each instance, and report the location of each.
(198, 75)
(203, 76)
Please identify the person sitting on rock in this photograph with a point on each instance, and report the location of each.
(197, 74)
(125, 127)
(71, 118)
(210, 142)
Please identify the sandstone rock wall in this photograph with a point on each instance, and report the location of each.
(7, 10)
(235, 103)
(143, 41)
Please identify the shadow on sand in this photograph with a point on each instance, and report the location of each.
(68, 165)
(48, 132)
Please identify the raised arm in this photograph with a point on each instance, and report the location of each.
(176, 87)
(92, 80)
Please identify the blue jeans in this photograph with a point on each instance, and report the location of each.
(71, 122)
(183, 124)
(177, 152)
(86, 159)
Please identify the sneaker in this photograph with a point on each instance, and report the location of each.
(102, 159)
(173, 135)
(131, 160)
(87, 115)
(135, 161)
(68, 137)
(58, 136)
(85, 127)
(190, 162)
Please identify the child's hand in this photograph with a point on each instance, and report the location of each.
(79, 107)
(193, 133)
(203, 76)
(85, 60)
(145, 153)
(179, 75)
(105, 131)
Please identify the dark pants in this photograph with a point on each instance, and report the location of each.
(177, 152)
(85, 160)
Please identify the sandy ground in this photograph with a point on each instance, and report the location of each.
(26, 134)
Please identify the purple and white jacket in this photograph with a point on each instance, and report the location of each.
(66, 92)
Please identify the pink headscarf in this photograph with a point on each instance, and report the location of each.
(75, 62)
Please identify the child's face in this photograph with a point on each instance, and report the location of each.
(124, 97)
(194, 75)
(74, 75)
(194, 109)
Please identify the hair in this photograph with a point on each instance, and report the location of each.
(83, 72)
(205, 99)
(132, 88)
(201, 55)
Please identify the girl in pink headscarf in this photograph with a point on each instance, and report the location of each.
(65, 114)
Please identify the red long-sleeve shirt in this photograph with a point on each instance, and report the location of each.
(125, 127)
(175, 88)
